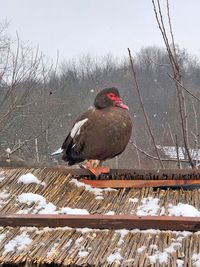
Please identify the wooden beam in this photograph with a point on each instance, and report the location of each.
(136, 172)
(103, 221)
(140, 173)
(139, 183)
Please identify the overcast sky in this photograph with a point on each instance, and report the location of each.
(75, 27)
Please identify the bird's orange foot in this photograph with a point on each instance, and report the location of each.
(99, 170)
(94, 167)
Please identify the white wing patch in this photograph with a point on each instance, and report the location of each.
(77, 127)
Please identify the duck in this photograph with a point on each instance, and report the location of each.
(100, 133)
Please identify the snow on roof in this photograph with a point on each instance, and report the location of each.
(96, 191)
(149, 206)
(19, 243)
(42, 207)
(68, 210)
(114, 257)
(83, 253)
(29, 178)
(67, 244)
(2, 176)
(49, 254)
(4, 198)
(196, 259)
(79, 246)
(184, 210)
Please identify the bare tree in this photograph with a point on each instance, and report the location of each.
(173, 57)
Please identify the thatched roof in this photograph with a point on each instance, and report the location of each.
(89, 247)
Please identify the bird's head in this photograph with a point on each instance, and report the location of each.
(109, 97)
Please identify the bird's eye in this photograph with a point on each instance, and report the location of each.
(111, 96)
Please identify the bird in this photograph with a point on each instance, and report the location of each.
(100, 133)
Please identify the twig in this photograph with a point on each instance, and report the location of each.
(170, 131)
(196, 134)
(156, 158)
(177, 152)
(182, 86)
(143, 108)
(137, 152)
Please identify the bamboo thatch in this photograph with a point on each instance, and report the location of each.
(69, 247)
(89, 247)
(62, 192)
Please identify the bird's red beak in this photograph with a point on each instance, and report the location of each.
(119, 103)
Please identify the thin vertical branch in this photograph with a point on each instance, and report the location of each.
(143, 108)
(137, 152)
(36, 150)
(196, 138)
(177, 152)
(176, 72)
(170, 132)
(179, 75)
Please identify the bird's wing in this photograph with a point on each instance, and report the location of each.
(74, 142)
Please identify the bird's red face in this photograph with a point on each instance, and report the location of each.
(117, 100)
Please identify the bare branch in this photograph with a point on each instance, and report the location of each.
(176, 71)
(196, 139)
(143, 108)
(182, 86)
(177, 152)
(156, 158)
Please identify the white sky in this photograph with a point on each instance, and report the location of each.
(75, 27)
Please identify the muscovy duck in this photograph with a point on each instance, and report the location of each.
(100, 133)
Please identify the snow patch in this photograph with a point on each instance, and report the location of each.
(83, 254)
(4, 195)
(110, 213)
(85, 230)
(123, 233)
(99, 198)
(196, 260)
(184, 210)
(31, 198)
(179, 263)
(163, 257)
(78, 241)
(96, 191)
(68, 210)
(141, 249)
(159, 257)
(2, 236)
(49, 208)
(49, 254)
(133, 200)
(114, 257)
(42, 206)
(68, 244)
(2, 176)
(19, 243)
(173, 247)
(149, 207)
(29, 178)
(154, 246)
